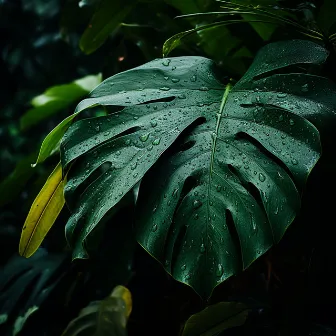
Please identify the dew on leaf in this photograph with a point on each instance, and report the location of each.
(166, 62)
(281, 95)
(156, 141)
(175, 80)
(304, 88)
(262, 177)
(219, 270)
(197, 204)
(291, 122)
(164, 88)
(294, 161)
(144, 137)
(193, 78)
(183, 267)
(153, 123)
(154, 227)
(97, 128)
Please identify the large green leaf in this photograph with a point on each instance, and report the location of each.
(221, 166)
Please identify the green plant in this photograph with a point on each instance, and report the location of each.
(202, 161)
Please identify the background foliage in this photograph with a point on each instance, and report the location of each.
(48, 45)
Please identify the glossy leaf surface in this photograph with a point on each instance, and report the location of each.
(221, 165)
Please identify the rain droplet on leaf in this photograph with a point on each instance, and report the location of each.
(154, 227)
(219, 270)
(197, 204)
(262, 177)
(156, 142)
(144, 137)
(166, 62)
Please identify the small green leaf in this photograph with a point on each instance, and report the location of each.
(106, 317)
(50, 144)
(58, 98)
(215, 319)
(108, 17)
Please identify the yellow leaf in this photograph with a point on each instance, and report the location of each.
(43, 213)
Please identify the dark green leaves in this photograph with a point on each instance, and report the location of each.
(32, 279)
(221, 166)
(106, 19)
(215, 319)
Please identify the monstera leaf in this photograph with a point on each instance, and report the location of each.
(221, 165)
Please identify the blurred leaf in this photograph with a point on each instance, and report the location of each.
(215, 319)
(188, 6)
(43, 213)
(58, 98)
(13, 184)
(104, 318)
(28, 278)
(326, 18)
(107, 18)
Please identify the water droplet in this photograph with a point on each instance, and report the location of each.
(164, 88)
(166, 262)
(197, 204)
(281, 118)
(135, 118)
(173, 68)
(204, 88)
(175, 192)
(219, 270)
(183, 267)
(118, 152)
(155, 208)
(156, 141)
(281, 95)
(276, 211)
(196, 216)
(154, 227)
(193, 78)
(291, 122)
(166, 78)
(294, 161)
(182, 96)
(135, 175)
(175, 80)
(107, 133)
(166, 62)
(262, 177)
(304, 88)
(153, 123)
(134, 165)
(97, 128)
(127, 142)
(149, 148)
(202, 249)
(144, 137)
(218, 187)
(188, 276)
